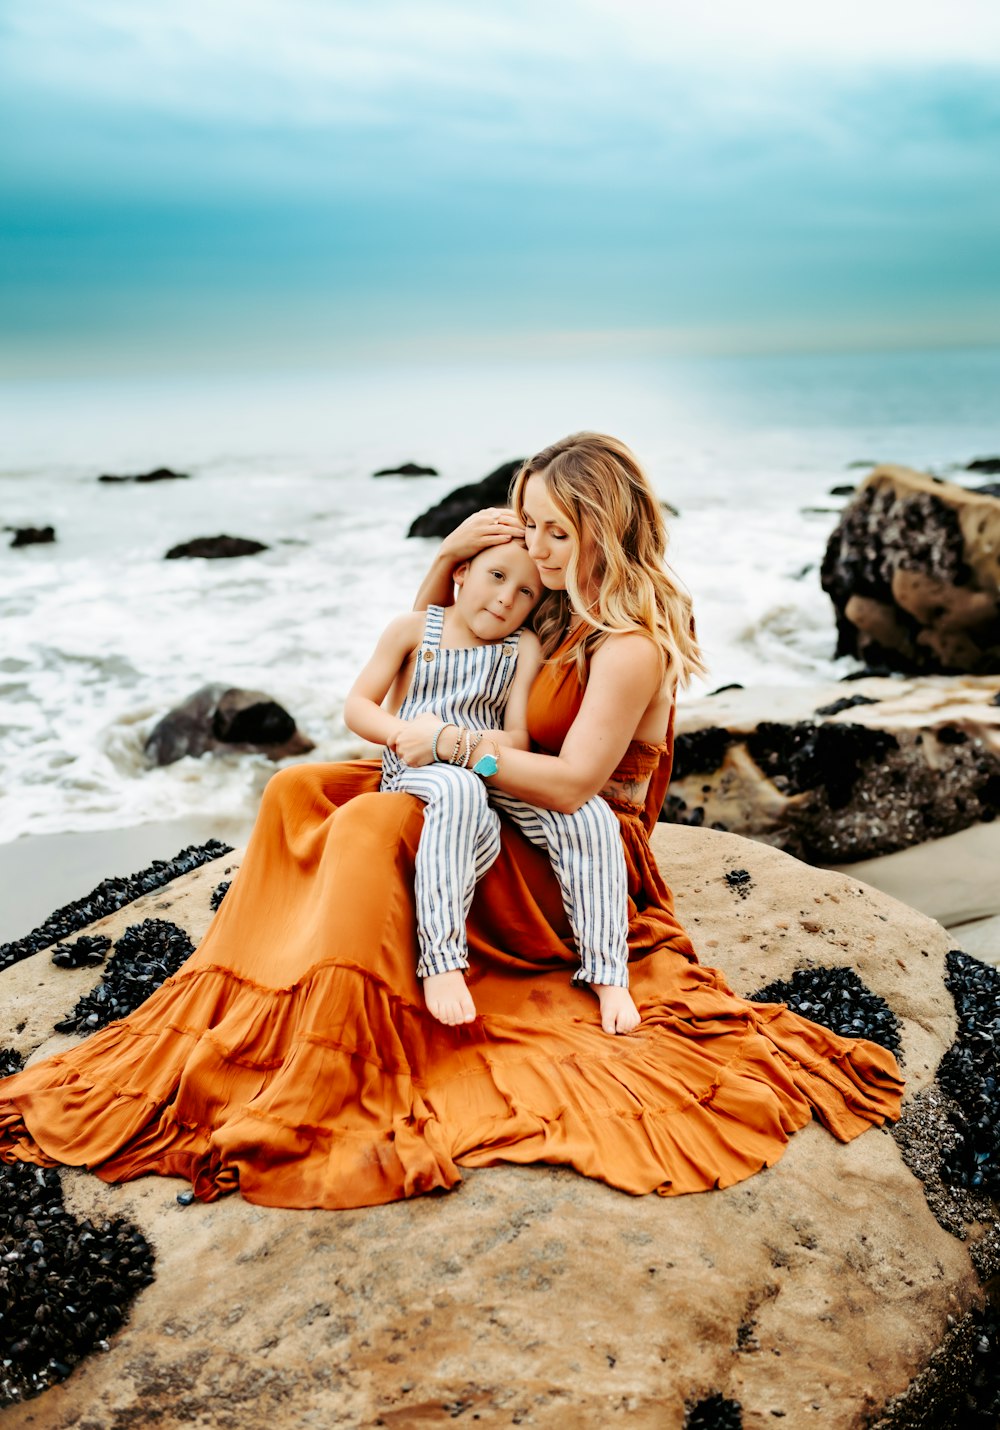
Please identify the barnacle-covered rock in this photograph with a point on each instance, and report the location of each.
(834, 774)
(824, 1291)
(913, 570)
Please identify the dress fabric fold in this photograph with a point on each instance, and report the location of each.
(292, 1058)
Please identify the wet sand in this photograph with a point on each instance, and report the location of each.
(43, 872)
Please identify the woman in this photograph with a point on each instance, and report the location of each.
(292, 1056)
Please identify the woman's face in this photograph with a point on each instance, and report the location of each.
(547, 536)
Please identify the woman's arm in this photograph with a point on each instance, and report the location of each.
(363, 713)
(491, 527)
(625, 676)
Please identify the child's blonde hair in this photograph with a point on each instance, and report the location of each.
(614, 515)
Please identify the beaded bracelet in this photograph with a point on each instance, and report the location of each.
(440, 731)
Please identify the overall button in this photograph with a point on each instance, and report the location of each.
(428, 655)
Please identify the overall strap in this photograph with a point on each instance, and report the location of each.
(433, 626)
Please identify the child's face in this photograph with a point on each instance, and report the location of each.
(497, 590)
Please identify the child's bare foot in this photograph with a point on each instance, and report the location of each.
(618, 1012)
(448, 998)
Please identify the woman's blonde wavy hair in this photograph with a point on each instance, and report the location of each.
(620, 537)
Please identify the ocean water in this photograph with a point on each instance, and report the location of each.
(100, 636)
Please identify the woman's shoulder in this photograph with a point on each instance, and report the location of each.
(627, 649)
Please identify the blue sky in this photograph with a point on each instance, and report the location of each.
(248, 182)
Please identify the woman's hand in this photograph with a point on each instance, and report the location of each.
(413, 742)
(491, 527)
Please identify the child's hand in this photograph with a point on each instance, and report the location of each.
(618, 1012)
(414, 740)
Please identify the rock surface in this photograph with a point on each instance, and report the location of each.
(216, 548)
(841, 773)
(443, 517)
(221, 718)
(818, 1292)
(913, 570)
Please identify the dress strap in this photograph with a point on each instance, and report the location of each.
(433, 626)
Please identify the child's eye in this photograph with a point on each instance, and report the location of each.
(498, 575)
(527, 591)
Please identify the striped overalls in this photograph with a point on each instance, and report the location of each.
(461, 833)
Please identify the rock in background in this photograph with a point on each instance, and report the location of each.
(215, 548)
(913, 569)
(839, 773)
(823, 1291)
(446, 514)
(220, 718)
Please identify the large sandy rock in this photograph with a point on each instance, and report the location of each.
(839, 773)
(913, 569)
(821, 1292)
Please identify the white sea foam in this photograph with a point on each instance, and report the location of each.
(101, 635)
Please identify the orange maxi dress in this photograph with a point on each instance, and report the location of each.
(291, 1056)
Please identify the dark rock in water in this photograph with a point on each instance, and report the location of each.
(714, 1412)
(32, 535)
(408, 469)
(110, 894)
(159, 474)
(990, 466)
(837, 998)
(912, 571)
(144, 956)
(86, 952)
(220, 718)
(843, 489)
(988, 489)
(65, 1285)
(847, 702)
(493, 490)
(215, 548)
(719, 689)
(219, 893)
(861, 462)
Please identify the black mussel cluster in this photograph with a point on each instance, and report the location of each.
(982, 1409)
(85, 952)
(739, 881)
(110, 895)
(837, 998)
(10, 1062)
(144, 956)
(970, 1074)
(65, 1285)
(715, 1412)
(219, 893)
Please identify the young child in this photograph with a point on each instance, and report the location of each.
(472, 665)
